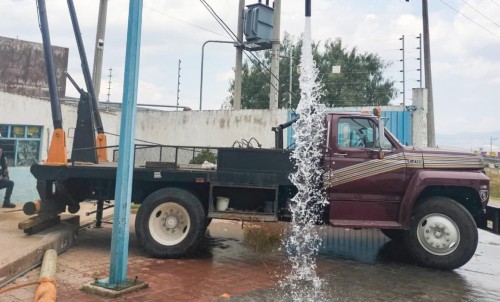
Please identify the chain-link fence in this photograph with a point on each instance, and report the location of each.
(180, 155)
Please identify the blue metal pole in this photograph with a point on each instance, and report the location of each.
(123, 190)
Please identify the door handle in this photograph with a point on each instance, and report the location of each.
(339, 154)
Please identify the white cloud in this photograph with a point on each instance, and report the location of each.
(465, 56)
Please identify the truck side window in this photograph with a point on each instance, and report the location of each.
(355, 133)
(386, 144)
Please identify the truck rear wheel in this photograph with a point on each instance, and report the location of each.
(442, 234)
(170, 223)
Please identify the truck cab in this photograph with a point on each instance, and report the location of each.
(431, 199)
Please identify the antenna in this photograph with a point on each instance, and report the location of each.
(109, 82)
(178, 83)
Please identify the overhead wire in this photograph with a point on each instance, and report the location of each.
(486, 17)
(183, 21)
(235, 38)
(470, 19)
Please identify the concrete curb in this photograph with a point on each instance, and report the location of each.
(60, 238)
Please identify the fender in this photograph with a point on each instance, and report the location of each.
(425, 178)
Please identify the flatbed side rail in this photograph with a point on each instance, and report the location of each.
(174, 155)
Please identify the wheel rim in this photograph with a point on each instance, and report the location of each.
(438, 234)
(169, 223)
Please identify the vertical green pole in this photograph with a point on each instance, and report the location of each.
(123, 190)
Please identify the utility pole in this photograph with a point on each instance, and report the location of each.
(239, 58)
(290, 57)
(178, 83)
(431, 134)
(403, 71)
(420, 57)
(275, 66)
(99, 47)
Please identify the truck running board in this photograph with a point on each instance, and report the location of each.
(242, 216)
(365, 224)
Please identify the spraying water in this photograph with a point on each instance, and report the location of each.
(302, 240)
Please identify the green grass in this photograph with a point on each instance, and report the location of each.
(263, 237)
(494, 184)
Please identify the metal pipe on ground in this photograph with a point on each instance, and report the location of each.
(32, 207)
(46, 290)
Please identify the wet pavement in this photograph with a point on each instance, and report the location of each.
(246, 264)
(363, 265)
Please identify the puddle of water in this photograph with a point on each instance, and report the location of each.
(364, 265)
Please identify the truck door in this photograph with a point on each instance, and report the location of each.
(363, 188)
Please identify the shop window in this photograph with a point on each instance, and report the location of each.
(4, 131)
(17, 131)
(9, 150)
(27, 152)
(33, 132)
(21, 144)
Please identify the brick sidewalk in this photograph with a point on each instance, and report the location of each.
(224, 266)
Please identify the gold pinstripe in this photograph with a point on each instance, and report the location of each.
(399, 161)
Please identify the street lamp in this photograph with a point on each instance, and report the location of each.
(202, 58)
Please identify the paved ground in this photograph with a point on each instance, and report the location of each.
(241, 265)
(222, 266)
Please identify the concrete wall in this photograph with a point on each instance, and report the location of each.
(22, 110)
(22, 68)
(189, 128)
(217, 128)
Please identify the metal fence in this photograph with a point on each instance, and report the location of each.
(180, 155)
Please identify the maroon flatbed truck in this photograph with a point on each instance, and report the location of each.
(430, 199)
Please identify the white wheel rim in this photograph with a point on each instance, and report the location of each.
(169, 223)
(438, 234)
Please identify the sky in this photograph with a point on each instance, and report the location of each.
(464, 40)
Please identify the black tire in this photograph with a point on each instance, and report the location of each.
(442, 234)
(170, 223)
(394, 235)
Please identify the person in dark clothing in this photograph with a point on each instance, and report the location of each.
(5, 182)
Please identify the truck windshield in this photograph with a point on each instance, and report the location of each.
(360, 132)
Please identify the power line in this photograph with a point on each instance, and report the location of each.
(233, 36)
(495, 3)
(183, 21)
(456, 10)
(481, 13)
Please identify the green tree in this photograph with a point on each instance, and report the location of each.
(361, 81)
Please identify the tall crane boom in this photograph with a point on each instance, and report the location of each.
(57, 152)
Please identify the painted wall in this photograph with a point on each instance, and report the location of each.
(217, 128)
(22, 110)
(188, 128)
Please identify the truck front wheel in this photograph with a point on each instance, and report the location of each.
(170, 223)
(442, 234)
